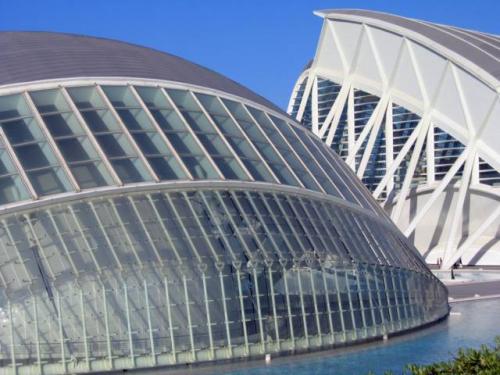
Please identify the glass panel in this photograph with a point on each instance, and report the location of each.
(290, 132)
(12, 188)
(179, 136)
(207, 135)
(260, 142)
(108, 133)
(70, 137)
(31, 147)
(144, 133)
(283, 148)
(235, 138)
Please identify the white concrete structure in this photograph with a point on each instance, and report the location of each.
(414, 110)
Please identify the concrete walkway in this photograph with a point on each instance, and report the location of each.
(473, 290)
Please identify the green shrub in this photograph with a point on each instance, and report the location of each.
(482, 361)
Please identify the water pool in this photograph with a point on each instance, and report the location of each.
(469, 325)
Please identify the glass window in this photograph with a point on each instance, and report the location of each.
(208, 136)
(74, 144)
(12, 188)
(291, 134)
(234, 136)
(31, 147)
(176, 132)
(284, 149)
(272, 158)
(149, 141)
(108, 133)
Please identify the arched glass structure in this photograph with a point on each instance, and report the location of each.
(413, 108)
(161, 221)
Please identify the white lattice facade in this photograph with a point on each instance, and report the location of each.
(413, 108)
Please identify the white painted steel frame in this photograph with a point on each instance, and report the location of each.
(334, 41)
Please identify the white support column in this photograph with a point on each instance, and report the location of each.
(361, 303)
(242, 309)
(475, 176)
(391, 169)
(207, 311)
(371, 141)
(259, 311)
(37, 334)
(150, 325)
(389, 142)
(314, 106)
(343, 59)
(439, 189)
(417, 131)
(129, 326)
(288, 307)
(337, 106)
(315, 302)
(273, 303)
(84, 331)
(375, 119)
(302, 307)
(226, 318)
(351, 136)
(188, 315)
(340, 304)
(471, 239)
(12, 341)
(106, 326)
(415, 158)
(169, 317)
(337, 110)
(61, 332)
(430, 156)
(328, 307)
(455, 229)
(305, 96)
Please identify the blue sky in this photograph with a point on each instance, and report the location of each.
(261, 44)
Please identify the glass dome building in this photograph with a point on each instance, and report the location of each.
(155, 213)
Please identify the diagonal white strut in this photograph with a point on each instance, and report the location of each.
(440, 188)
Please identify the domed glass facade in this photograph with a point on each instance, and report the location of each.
(152, 223)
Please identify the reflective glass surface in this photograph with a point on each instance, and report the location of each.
(200, 275)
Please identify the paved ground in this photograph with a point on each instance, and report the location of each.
(474, 290)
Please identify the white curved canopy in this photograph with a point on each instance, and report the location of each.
(447, 78)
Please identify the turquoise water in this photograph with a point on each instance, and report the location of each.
(469, 325)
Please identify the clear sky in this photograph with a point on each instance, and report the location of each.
(261, 44)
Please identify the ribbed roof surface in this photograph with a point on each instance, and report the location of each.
(35, 56)
(479, 48)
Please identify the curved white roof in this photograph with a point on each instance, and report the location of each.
(480, 49)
